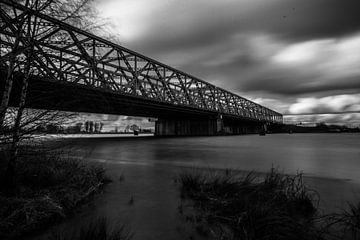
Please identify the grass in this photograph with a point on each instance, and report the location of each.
(352, 220)
(97, 230)
(49, 186)
(348, 221)
(233, 205)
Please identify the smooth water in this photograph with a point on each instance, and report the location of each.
(149, 166)
(321, 155)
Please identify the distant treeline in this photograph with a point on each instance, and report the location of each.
(318, 128)
(86, 127)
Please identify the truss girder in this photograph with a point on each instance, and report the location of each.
(65, 53)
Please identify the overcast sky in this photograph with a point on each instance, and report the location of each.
(294, 56)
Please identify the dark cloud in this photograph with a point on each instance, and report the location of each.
(194, 25)
(309, 19)
(297, 86)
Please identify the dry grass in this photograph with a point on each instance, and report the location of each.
(97, 230)
(231, 205)
(49, 185)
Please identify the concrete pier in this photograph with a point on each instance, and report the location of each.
(205, 127)
(186, 127)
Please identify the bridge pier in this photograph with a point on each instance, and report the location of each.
(242, 128)
(186, 127)
(205, 127)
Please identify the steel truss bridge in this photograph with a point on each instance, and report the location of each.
(66, 58)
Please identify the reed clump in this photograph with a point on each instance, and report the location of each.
(233, 205)
(96, 230)
(49, 185)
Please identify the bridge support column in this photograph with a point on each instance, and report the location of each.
(242, 127)
(187, 127)
(219, 125)
(206, 127)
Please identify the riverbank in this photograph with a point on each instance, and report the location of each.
(94, 136)
(49, 186)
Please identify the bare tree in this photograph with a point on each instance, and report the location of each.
(20, 57)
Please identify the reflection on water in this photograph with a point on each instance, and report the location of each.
(150, 164)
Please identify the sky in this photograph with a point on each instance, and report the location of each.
(298, 57)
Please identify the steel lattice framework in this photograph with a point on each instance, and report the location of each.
(66, 53)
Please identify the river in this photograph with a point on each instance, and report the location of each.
(330, 163)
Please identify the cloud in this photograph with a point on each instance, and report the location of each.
(308, 67)
(330, 104)
(262, 63)
(278, 105)
(330, 57)
(191, 22)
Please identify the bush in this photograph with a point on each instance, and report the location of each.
(98, 230)
(347, 222)
(49, 185)
(247, 206)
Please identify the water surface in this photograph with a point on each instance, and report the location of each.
(149, 165)
(322, 155)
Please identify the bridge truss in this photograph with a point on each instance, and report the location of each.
(67, 54)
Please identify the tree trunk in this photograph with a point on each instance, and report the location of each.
(7, 90)
(11, 166)
(8, 82)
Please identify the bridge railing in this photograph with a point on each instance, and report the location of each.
(65, 53)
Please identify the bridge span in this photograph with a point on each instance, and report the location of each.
(73, 70)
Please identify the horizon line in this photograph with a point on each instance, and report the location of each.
(320, 113)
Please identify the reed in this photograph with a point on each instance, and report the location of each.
(233, 205)
(96, 230)
(49, 185)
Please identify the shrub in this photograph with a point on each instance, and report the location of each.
(248, 206)
(98, 230)
(49, 185)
